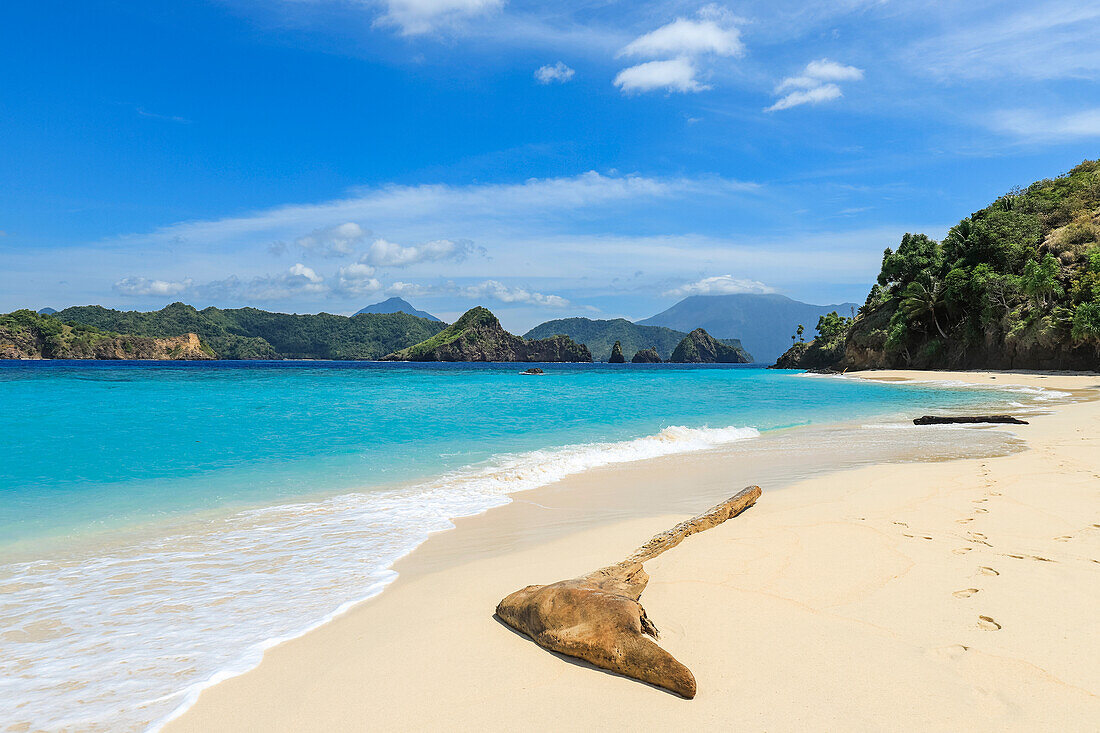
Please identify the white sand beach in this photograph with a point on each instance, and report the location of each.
(949, 595)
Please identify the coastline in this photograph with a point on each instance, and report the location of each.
(858, 594)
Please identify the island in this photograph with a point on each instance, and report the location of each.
(478, 336)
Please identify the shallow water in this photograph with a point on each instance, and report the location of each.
(161, 524)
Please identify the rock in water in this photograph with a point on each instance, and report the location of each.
(699, 347)
(478, 336)
(616, 354)
(532, 370)
(937, 420)
(597, 617)
(646, 356)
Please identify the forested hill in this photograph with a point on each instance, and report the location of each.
(1015, 285)
(599, 336)
(250, 333)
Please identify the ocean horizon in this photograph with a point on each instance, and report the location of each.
(163, 523)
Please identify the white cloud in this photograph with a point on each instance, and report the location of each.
(815, 84)
(297, 281)
(415, 17)
(497, 290)
(421, 211)
(1055, 39)
(674, 75)
(410, 290)
(559, 72)
(335, 241)
(1032, 126)
(720, 285)
(145, 286)
(388, 254)
(684, 37)
(823, 93)
(357, 279)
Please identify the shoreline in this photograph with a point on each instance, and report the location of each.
(472, 544)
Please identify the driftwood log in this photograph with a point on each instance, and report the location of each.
(937, 420)
(597, 617)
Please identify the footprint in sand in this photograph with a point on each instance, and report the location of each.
(901, 524)
(954, 651)
(979, 510)
(979, 501)
(964, 520)
(965, 592)
(985, 622)
(962, 550)
(984, 570)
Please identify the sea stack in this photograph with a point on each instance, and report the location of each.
(616, 354)
(646, 356)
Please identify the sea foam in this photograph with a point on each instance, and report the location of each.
(127, 639)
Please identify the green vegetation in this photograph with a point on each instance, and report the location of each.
(600, 336)
(824, 350)
(478, 336)
(1012, 284)
(699, 347)
(250, 333)
(1015, 285)
(25, 334)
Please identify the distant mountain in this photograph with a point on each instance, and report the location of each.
(46, 311)
(478, 336)
(599, 336)
(763, 323)
(397, 305)
(250, 333)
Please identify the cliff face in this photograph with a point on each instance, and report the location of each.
(25, 335)
(699, 347)
(478, 336)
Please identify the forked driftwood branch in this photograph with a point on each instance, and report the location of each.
(597, 617)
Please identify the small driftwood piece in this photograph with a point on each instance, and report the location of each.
(937, 420)
(597, 617)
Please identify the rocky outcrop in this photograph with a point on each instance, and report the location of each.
(699, 347)
(646, 356)
(969, 420)
(616, 354)
(28, 335)
(478, 336)
(597, 617)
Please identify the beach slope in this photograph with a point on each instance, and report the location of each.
(957, 595)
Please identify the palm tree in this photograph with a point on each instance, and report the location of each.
(919, 301)
(799, 331)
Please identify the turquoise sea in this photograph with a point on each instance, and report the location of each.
(162, 524)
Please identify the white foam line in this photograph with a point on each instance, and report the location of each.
(1037, 393)
(252, 658)
(506, 475)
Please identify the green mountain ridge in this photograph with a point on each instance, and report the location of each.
(25, 334)
(600, 335)
(250, 333)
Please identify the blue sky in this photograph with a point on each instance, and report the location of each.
(578, 158)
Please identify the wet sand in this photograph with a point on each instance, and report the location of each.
(863, 595)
